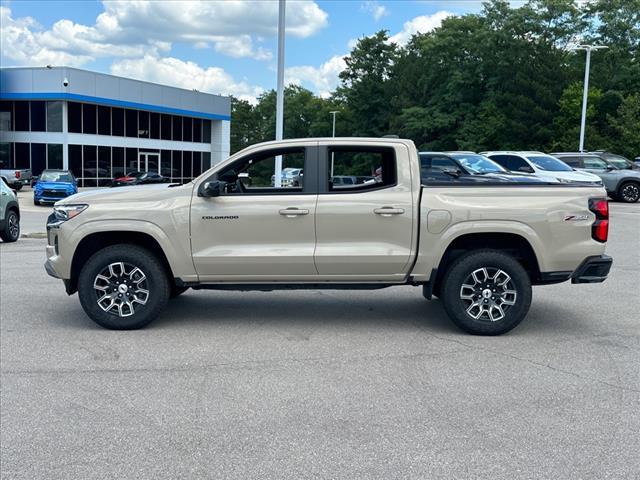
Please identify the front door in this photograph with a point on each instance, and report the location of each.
(254, 231)
(364, 230)
(149, 162)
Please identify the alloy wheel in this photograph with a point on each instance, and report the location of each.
(14, 225)
(488, 293)
(121, 288)
(630, 193)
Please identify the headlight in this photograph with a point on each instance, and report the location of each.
(67, 212)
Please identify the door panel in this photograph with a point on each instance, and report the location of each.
(367, 232)
(249, 236)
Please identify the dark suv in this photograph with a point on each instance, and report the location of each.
(621, 183)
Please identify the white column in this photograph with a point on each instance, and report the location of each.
(220, 140)
(65, 135)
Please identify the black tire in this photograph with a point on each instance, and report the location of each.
(36, 202)
(629, 192)
(176, 291)
(11, 231)
(136, 314)
(510, 309)
(17, 187)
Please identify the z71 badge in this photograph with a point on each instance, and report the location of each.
(575, 218)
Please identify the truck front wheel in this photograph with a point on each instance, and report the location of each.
(123, 287)
(486, 292)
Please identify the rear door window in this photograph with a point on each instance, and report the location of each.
(353, 169)
(511, 162)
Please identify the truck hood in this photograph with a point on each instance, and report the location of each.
(576, 176)
(132, 195)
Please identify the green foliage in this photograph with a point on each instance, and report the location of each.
(501, 79)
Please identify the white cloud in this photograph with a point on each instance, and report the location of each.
(323, 79)
(189, 75)
(375, 9)
(421, 24)
(137, 28)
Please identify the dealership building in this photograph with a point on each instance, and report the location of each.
(101, 126)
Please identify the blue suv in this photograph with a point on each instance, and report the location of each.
(53, 185)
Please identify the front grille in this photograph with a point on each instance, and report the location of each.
(54, 193)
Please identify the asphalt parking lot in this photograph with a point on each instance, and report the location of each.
(320, 384)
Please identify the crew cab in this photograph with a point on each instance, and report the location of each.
(478, 247)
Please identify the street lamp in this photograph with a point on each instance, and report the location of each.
(333, 113)
(583, 121)
(280, 90)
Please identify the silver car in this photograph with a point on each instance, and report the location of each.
(9, 214)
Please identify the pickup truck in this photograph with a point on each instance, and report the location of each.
(477, 247)
(16, 179)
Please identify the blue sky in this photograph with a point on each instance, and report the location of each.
(215, 46)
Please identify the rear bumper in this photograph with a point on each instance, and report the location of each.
(593, 270)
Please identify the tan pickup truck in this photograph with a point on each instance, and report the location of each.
(478, 247)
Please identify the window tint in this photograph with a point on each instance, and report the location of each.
(38, 158)
(54, 116)
(165, 163)
(154, 125)
(187, 129)
(437, 163)
(131, 156)
(117, 122)
(143, 124)
(511, 162)
(89, 165)
(23, 160)
(572, 161)
(256, 174)
(38, 116)
(594, 162)
(197, 130)
(176, 165)
(6, 116)
(54, 155)
(206, 131)
(104, 164)
(117, 162)
(88, 118)
(368, 168)
(197, 164)
(131, 123)
(165, 127)
(74, 117)
(75, 160)
(104, 120)
(177, 128)
(22, 116)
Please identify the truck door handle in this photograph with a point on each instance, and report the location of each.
(387, 211)
(293, 212)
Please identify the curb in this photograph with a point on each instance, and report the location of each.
(34, 235)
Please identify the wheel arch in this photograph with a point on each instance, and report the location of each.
(94, 242)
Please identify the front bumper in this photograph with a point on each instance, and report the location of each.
(51, 199)
(593, 270)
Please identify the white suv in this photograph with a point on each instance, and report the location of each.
(542, 165)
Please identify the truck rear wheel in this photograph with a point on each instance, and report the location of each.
(486, 292)
(123, 287)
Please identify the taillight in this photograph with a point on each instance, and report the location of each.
(600, 228)
(18, 174)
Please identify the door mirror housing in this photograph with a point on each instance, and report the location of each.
(454, 172)
(212, 188)
(526, 169)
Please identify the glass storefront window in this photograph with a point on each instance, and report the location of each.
(89, 165)
(38, 158)
(22, 116)
(186, 166)
(165, 127)
(143, 124)
(75, 160)
(206, 131)
(38, 116)
(54, 155)
(104, 120)
(197, 164)
(131, 160)
(6, 155)
(176, 167)
(74, 115)
(187, 129)
(6, 116)
(131, 123)
(54, 116)
(23, 158)
(177, 128)
(104, 166)
(197, 130)
(154, 125)
(206, 161)
(165, 163)
(117, 122)
(88, 118)
(117, 162)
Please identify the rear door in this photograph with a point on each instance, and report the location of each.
(363, 230)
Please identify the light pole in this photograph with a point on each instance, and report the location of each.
(585, 92)
(280, 90)
(333, 134)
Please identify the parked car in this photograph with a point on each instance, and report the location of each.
(621, 184)
(340, 180)
(139, 178)
(616, 160)
(467, 167)
(541, 165)
(637, 161)
(16, 179)
(478, 249)
(9, 214)
(52, 185)
(291, 177)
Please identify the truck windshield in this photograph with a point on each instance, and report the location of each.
(477, 163)
(549, 163)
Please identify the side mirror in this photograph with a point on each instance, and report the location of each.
(212, 189)
(454, 172)
(526, 169)
(610, 168)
